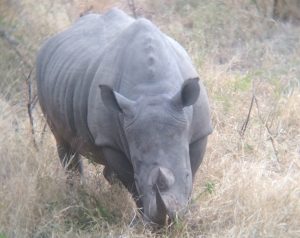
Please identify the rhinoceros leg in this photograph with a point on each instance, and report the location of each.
(118, 165)
(197, 151)
(109, 175)
(69, 158)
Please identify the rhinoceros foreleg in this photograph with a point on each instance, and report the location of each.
(69, 159)
(197, 151)
(109, 175)
(117, 165)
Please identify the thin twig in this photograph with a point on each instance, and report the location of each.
(131, 5)
(43, 132)
(30, 107)
(32, 100)
(245, 124)
(265, 123)
(13, 45)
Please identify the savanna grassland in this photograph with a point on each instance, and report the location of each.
(249, 182)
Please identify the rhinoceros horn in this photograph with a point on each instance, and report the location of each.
(165, 179)
(161, 208)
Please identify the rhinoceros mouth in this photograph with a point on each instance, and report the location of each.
(162, 205)
(166, 210)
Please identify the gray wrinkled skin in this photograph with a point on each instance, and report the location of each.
(125, 95)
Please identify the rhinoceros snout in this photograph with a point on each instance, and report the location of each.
(164, 208)
(164, 204)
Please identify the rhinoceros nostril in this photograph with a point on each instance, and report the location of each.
(165, 179)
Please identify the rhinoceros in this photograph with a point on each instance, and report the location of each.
(125, 95)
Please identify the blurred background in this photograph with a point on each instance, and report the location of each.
(247, 53)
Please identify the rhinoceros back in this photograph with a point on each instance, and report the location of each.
(66, 66)
(131, 56)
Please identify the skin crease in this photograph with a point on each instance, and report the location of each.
(127, 96)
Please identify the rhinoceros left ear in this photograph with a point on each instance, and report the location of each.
(115, 101)
(188, 94)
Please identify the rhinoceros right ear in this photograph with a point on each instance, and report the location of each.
(115, 101)
(188, 94)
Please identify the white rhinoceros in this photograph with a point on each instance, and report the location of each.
(122, 93)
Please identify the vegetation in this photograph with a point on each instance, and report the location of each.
(249, 182)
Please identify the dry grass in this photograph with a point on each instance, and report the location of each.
(248, 186)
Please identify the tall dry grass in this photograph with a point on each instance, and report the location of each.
(247, 186)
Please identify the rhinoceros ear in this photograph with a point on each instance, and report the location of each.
(115, 101)
(188, 94)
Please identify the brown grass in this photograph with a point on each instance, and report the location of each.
(247, 186)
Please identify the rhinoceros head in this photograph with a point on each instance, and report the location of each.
(157, 132)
